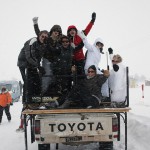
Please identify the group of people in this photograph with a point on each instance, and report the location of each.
(53, 64)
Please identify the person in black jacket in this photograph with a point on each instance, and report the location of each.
(30, 57)
(87, 93)
(61, 67)
(53, 42)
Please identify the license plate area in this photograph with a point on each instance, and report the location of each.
(73, 139)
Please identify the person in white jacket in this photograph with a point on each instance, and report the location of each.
(93, 57)
(117, 79)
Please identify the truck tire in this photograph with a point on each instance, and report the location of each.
(43, 146)
(105, 145)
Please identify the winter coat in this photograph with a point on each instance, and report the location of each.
(117, 84)
(5, 99)
(62, 65)
(37, 50)
(93, 54)
(24, 54)
(94, 84)
(79, 55)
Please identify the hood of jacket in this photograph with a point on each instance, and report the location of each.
(98, 40)
(71, 27)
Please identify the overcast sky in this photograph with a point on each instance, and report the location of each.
(123, 25)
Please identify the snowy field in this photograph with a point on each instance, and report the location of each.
(138, 127)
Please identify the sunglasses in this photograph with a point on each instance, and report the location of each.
(115, 61)
(44, 36)
(91, 71)
(65, 41)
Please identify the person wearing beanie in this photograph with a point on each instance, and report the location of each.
(76, 41)
(53, 43)
(55, 33)
(86, 93)
(5, 101)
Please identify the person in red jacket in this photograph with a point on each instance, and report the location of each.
(76, 42)
(5, 101)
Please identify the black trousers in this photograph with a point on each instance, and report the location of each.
(6, 109)
(33, 83)
(23, 74)
(80, 67)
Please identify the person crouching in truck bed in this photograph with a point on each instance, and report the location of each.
(87, 93)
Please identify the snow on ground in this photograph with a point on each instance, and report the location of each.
(138, 127)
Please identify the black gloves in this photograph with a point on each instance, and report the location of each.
(115, 67)
(110, 50)
(11, 103)
(41, 70)
(101, 51)
(93, 17)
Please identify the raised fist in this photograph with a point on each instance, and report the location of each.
(110, 50)
(93, 17)
(35, 20)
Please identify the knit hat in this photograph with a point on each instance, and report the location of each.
(3, 89)
(92, 67)
(71, 27)
(55, 28)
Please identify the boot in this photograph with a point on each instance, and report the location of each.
(66, 104)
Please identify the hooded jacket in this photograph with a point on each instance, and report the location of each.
(78, 54)
(93, 54)
(25, 53)
(5, 98)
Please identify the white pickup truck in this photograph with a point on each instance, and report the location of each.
(76, 126)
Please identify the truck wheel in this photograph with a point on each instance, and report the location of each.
(105, 145)
(43, 146)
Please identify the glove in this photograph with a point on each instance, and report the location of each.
(11, 103)
(101, 50)
(81, 34)
(35, 20)
(110, 50)
(93, 17)
(115, 67)
(41, 70)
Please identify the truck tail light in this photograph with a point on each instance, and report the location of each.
(37, 127)
(114, 124)
(115, 127)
